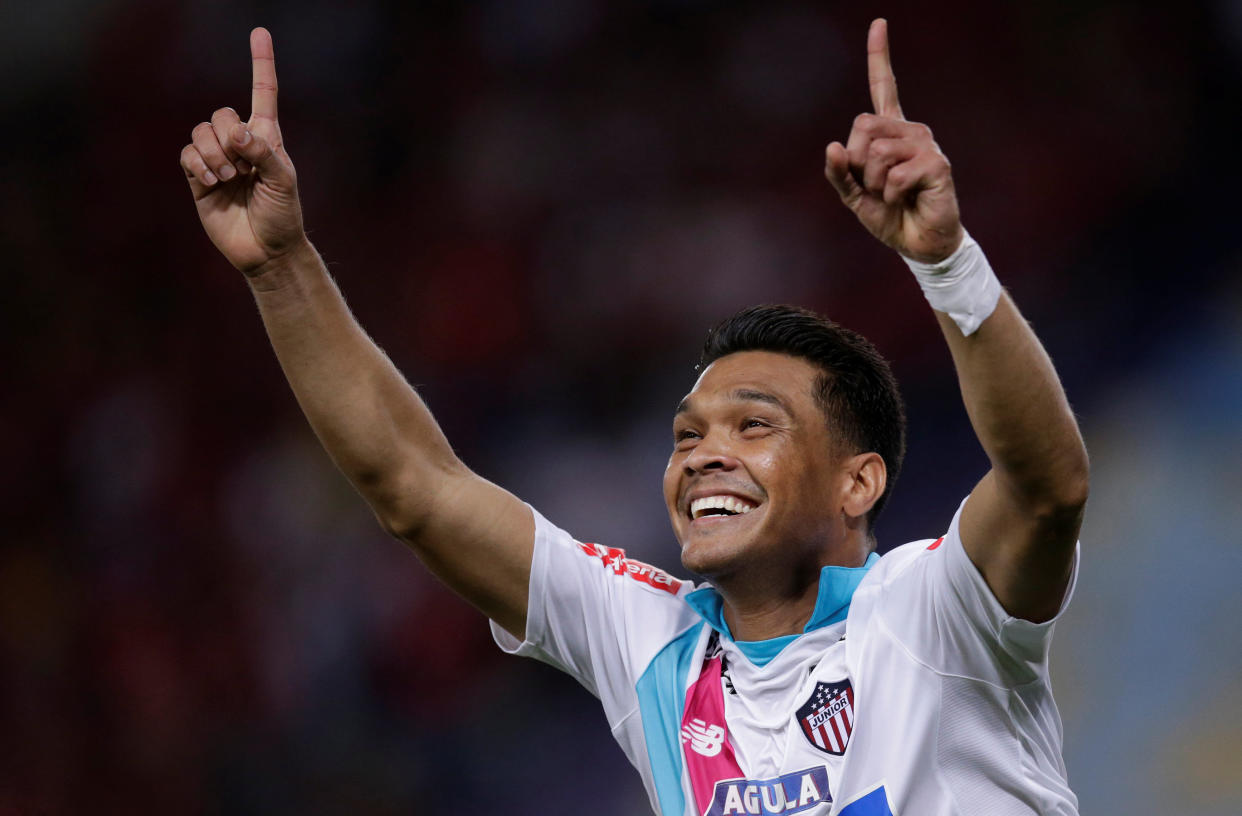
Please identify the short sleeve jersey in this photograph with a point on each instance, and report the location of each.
(926, 698)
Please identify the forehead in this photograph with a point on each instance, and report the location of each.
(789, 379)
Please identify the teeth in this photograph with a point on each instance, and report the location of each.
(730, 504)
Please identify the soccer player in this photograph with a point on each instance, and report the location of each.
(808, 675)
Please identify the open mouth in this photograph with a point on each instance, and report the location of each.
(719, 506)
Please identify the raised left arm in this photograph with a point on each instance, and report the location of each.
(1021, 522)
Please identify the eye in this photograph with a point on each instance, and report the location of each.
(753, 423)
(683, 435)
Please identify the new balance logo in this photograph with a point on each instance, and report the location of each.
(705, 740)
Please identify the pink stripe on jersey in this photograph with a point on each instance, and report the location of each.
(705, 736)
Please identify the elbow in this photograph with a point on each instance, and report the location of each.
(404, 517)
(405, 504)
(1076, 480)
(1062, 496)
(1055, 492)
(1071, 501)
(398, 520)
(1082, 485)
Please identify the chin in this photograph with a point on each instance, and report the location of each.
(710, 557)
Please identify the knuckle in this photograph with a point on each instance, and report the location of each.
(207, 145)
(200, 129)
(223, 114)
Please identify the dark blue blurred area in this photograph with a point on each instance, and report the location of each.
(538, 207)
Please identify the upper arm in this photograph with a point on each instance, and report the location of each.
(477, 538)
(1025, 553)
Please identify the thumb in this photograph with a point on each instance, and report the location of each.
(256, 150)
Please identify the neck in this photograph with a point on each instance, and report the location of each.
(758, 609)
(770, 617)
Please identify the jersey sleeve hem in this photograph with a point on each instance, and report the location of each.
(1029, 639)
(536, 613)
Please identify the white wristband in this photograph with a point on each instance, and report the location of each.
(963, 285)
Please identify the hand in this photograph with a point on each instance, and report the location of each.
(892, 174)
(242, 179)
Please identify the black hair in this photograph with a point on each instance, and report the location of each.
(856, 390)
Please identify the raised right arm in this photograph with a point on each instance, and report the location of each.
(475, 536)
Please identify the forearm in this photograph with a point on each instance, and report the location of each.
(372, 423)
(1019, 411)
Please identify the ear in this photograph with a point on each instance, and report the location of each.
(868, 476)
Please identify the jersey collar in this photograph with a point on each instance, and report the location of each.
(836, 590)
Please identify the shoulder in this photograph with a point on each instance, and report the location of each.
(597, 613)
(568, 573)
(898, 561)
(647, 577)
(902, 587)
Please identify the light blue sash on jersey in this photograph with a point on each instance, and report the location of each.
(836, 590)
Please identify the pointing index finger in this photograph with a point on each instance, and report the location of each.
(263, 82)
(880, 72)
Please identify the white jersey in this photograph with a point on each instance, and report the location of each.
(918, 696)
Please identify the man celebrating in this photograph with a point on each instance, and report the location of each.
(809, 675)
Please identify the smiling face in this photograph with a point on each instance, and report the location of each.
(756, 482)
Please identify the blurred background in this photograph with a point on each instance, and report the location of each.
(537, 207)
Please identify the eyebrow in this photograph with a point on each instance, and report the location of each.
(743, 395)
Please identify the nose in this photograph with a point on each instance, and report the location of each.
(714, 452)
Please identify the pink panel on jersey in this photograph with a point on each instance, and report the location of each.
(705, 737)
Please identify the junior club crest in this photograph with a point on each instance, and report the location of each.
(827, 718)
